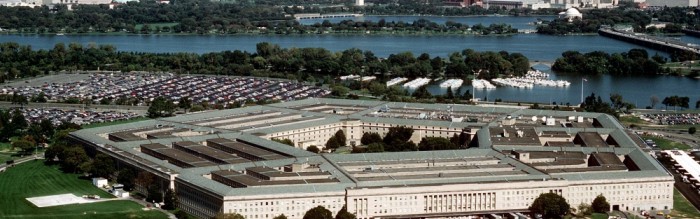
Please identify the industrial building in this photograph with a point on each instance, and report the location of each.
(224, 161)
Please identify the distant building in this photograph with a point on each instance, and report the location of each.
(463, 3)
(359, 2)
(571, 14)
(672, 3)
(507, 4)
(17, 3)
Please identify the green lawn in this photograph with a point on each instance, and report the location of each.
(666, 144)
(119, 122)
(599, 216)
(5, 152)
(36, 179)
(682, 208)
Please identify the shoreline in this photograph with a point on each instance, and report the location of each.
(381, 33)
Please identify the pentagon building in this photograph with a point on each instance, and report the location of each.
(224, 161)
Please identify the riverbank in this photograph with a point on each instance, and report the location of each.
(357, 33)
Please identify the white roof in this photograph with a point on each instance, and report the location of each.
(687, 162)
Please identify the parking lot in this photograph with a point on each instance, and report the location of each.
(144, 87)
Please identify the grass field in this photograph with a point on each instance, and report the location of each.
(95, 125)
(33, 179)
(5, 152)
(682, 208)
(666, 144)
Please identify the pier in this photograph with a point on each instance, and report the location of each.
(320, 16)
(659, 43)
(690, 32)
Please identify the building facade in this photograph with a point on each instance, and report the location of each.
(224, 162)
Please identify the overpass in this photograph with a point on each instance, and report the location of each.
(659, 43)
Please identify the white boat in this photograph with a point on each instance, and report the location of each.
(395, 81)
(482, 84)
(452, 83)
(417, 82)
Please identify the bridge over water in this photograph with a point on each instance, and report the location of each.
(660, 43)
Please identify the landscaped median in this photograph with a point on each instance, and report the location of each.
(33, 179)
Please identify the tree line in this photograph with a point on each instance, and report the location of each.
(636, 61)
(594, 19)
(398, 139)
(204, 16)
(303, 64)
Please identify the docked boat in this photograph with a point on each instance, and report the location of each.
(452, 83)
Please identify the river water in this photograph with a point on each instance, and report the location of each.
(536, 47)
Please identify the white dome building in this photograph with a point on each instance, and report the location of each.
(571, 14)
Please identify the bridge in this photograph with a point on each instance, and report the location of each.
(320, 16)
(659, 43)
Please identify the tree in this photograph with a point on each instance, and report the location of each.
(584, 209)
(180, 214)
(318, 212)
(161, 107)
(339, 91)
(397, 139)
(126, 177)
(185, 103)
(376, 147)
(422, 93)
(228, 216)
(450, 95)
(340, 137)
(24, 145)
(75, 160)
(154, 194)
(370, 137)
(344, 214)
(170, 200)
(436, 143)
(654, 101)
(39, 98)
(281, 216)
(284, 141)
(600, 204)
(103, 166)
(332, 142)
(550, 205)
(313, 149)
(18, 123)
(691, 130)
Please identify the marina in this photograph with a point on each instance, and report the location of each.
(452, 83)
(395, 81)
(482, 84)
(531, 79)
(418, 82)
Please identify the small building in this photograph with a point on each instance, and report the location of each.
(571, 14)
(100, 182)
(120, 193)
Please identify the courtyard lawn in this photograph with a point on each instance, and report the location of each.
(599, 216)
(682, 208)
(665, 144)
(33, 179)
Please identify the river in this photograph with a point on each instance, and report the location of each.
(536, 47)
